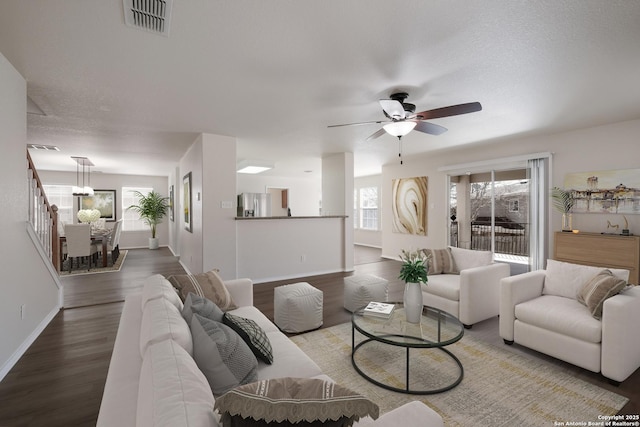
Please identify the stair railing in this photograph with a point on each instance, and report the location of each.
(43, 217)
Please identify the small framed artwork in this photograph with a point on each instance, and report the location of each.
(186, 203)
(102, 200)
(171, 202)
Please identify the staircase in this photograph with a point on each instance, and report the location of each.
(43, 218)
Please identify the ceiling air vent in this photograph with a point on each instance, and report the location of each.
(149, 15)
(43, 147)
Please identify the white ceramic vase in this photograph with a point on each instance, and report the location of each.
(154, 243)
(412, 301)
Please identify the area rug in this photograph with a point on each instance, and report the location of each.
(84, 266)
(499, 388)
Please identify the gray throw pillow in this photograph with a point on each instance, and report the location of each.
(222, 356)
(252, 334)
(196, 304)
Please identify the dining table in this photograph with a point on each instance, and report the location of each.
(101, 235)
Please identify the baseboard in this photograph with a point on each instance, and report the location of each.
(298, 277)
(15, 357)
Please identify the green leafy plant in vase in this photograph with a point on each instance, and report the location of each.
(413, 272)
(152, 208)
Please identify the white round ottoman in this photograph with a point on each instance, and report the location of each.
(297, 307)
(360, 290)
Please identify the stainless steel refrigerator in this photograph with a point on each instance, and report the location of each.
(254, 204)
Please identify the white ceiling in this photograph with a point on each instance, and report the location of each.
(274, 74)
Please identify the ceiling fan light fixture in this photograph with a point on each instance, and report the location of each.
(399, 128)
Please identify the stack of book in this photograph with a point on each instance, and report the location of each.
(379, 309)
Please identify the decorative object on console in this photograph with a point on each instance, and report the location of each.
(293, 401)
(409, 205)
(413, 272)
(563, 201)
(613, 191)
(151, 207)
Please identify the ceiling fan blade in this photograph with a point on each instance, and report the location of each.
(430, 128)
(453, 110)
(393, 108)
(359, 123)
(375, 135)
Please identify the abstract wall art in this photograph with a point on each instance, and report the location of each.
(613, 191)
(410, 205)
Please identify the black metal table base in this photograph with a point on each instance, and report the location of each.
(405, 390)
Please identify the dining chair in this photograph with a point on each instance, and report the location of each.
(114, 241)
(79, 243)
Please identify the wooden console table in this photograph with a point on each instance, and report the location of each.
(601, 250)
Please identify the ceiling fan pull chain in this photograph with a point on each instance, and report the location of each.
(400, 148)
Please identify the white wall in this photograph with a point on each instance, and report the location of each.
(212, 243)
(607, 147)
(277, 249)
(304, 193)
(103, 181)
(219, 204)
(25, 279)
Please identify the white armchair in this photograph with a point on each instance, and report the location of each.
(540, 310)
(467, 285)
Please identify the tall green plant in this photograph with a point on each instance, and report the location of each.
(563, 200)
(151, 208)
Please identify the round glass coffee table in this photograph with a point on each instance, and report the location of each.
(436, 330)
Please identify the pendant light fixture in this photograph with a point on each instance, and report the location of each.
(84, 189)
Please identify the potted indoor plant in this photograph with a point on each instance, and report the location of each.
(151, 208)
(413, 272)
(563, 202)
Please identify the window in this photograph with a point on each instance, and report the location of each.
(62, 197)
(366, 216)
(131, 220)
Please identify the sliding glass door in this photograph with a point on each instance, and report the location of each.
(502, 210)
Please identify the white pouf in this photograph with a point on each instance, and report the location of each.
(297, 307)
(360, 290)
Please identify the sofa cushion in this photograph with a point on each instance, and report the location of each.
(467, 258)
(565, 316)
(172, 390)
(161, 320)
(156, 286)
(440, 261)
(195, 304)
(445, 285)
(252, 334)
(293, 401)
(566, 279)
(593, 293)
(222, 356)
(208, 285)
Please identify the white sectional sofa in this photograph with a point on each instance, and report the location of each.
(465, 283)
(541, 310)
(154, 381)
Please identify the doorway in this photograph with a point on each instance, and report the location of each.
(279, 201)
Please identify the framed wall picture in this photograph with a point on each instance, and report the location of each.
(102, 200)
(409, 206)
(171, 203)
(186, 203)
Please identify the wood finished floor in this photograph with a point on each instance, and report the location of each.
(60, 379)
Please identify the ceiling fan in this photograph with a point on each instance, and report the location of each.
(402, 118)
